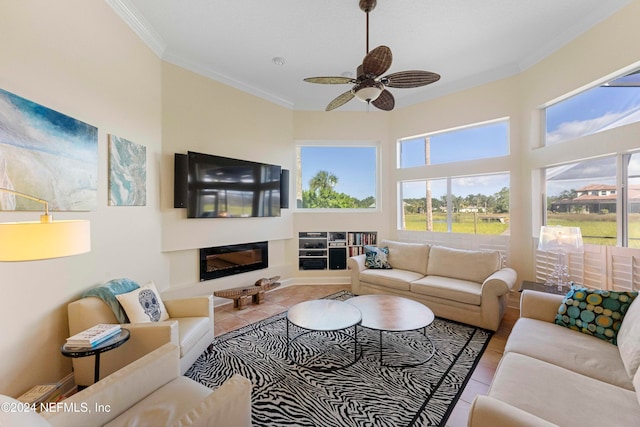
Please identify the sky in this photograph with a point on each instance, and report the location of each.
(354, 166)
(591, 111)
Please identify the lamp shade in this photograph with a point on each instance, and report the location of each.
(27, 241)
(560, 239)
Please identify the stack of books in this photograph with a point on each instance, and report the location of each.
(93, 336)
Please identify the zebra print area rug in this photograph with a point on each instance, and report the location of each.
(363, 394)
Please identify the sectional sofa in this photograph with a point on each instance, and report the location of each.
(551, 375)
(468, 286)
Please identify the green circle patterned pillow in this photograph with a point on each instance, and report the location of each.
(595, 312)
(376, 257)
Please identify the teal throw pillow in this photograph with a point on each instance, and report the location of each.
(595, 312)
(376, 257)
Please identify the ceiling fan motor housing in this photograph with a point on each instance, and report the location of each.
(367, 5)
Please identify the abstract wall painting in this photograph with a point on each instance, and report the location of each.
(127, 173)
(48, 155)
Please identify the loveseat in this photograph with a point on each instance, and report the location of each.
(147, 392)
(189, 326)
(551, 375)
(463, 285)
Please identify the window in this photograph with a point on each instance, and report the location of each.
(584, 194)
(632, 229)
(577, 197)
(473, 204)
(612, 104)
(331, 176)
(469, 143)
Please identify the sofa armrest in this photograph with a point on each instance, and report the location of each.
(500, 282)
(120, 390)
(539, 305)
(488, 412)
(190, 307)
(228, 405)
(145, 337)
(356, 265)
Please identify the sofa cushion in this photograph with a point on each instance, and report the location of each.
(561, 396)
(636, 384)
(376, 257)
(229, 404)
(393, 279)
(569, 349)
(408, 256)
(596, 312)
(462, 291)
(190, 330)
(629, 339)
(143, 304)
(165, 405)
(475, 266)
(15, 413)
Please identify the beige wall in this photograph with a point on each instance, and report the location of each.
(79, 58)
(203, 115)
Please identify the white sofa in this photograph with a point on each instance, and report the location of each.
(551, 375)
(147, 392)
(190, 327)
(466, 286)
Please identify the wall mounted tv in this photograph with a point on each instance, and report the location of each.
(222, 187)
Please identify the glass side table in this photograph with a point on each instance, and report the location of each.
(113, 342)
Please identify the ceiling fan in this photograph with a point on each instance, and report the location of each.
(369, 86)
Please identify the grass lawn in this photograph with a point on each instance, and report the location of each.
(597, 229)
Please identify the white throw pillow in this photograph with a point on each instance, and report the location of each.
(143, 304)
(629, 339)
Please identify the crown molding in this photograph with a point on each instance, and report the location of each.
(139, 25)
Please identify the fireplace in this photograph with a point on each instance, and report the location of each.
(221, 261)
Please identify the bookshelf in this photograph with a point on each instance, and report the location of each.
(329, 250)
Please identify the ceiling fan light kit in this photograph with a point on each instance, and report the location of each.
(369, 86)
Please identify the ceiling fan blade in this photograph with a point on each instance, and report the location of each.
(408, 79)
(385, 101)
(330, 80)
(340, 101)
(377, 61)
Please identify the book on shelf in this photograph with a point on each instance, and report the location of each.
(94, 335)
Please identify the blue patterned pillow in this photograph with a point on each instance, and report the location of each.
(376, 257)
(595, 312)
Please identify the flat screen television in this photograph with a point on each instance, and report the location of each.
(222, 187)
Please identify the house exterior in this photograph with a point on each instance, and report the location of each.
(597, 198)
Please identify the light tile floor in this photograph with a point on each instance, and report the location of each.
(279, 300)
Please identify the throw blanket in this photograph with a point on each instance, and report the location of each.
(108, 292)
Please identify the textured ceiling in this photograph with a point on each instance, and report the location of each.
(468, 42)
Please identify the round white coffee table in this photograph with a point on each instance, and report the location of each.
(328, 317)
(389, 313)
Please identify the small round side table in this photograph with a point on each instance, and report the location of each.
(113, 342)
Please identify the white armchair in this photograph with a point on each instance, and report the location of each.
(190, 327)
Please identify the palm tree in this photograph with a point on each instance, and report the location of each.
(322, 181)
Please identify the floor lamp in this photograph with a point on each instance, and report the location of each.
(561, 241)
(44, 239)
